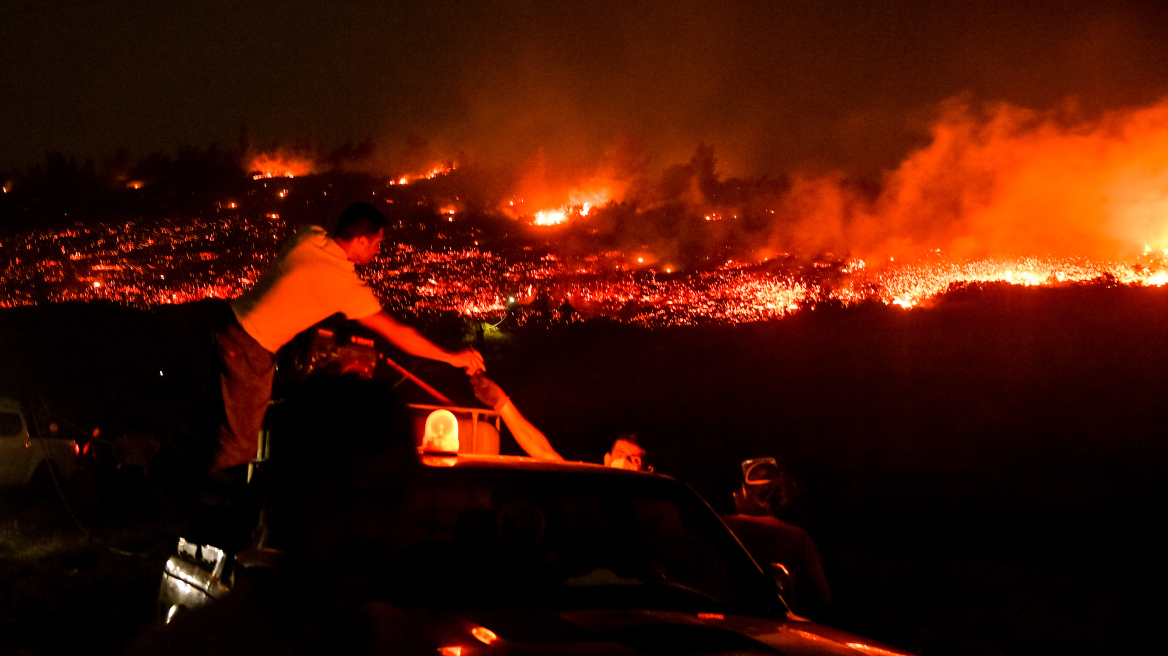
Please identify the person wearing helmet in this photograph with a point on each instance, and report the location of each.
(765, 491)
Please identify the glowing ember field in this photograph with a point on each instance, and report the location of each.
(187, 261)
(732, 293)
(909, 285)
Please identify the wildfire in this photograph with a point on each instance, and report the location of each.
(561, 195)
(910, 285)
(624, 285)
(1001, 195)
(277, 165)
(579, 204)
(550, 217)
(434, 172)
(586, 200)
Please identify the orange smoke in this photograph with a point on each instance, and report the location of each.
(1008, 181)
(995, 181)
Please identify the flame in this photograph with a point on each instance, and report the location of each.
(280, 165)
(588, 199)
(580, 203)
(433, 172)
(909, 285)
(561, 195)
(550, 217)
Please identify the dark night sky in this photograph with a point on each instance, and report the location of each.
(772, 85)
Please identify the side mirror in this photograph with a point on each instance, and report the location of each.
(254, 563)
(258, 557)
(782, 578)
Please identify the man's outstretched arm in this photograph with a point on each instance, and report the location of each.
(412, 342)
(530, 439)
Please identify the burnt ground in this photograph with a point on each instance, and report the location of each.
(982, 477)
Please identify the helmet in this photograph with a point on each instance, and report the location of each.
(766, 488)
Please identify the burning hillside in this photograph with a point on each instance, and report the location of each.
(995, 181)
(1000, 194)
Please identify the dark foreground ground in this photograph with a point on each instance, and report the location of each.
(982, 477)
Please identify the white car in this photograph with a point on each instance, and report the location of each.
(23, 454)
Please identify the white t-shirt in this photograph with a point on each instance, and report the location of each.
(311, 279)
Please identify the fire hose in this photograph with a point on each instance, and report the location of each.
(420, 383)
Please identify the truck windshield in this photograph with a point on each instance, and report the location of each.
(484, 538)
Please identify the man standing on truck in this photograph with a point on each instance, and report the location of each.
(312, 278)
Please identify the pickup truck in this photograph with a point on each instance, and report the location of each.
(23, 455)
(508, 555)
